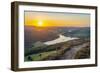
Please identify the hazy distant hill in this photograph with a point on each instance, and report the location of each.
(43, 34)
(33, 35)
(77, 32)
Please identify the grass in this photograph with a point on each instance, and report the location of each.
(55, 51)
(46, 55)
(40, 56)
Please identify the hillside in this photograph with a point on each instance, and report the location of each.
(54, 52)
(44, 34)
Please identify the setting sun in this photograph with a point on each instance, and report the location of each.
(40, 23)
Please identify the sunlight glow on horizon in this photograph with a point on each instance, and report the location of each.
(40, 23)
(44, 19)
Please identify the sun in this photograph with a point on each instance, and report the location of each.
(40, 23)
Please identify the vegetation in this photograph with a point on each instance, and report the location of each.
(35, 50)
(53, 52)
(40, 56)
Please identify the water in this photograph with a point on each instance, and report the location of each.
(61, 39)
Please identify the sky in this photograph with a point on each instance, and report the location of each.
(52, 19)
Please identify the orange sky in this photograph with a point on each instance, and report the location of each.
(57, 19)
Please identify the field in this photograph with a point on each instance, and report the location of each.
(57, 51)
